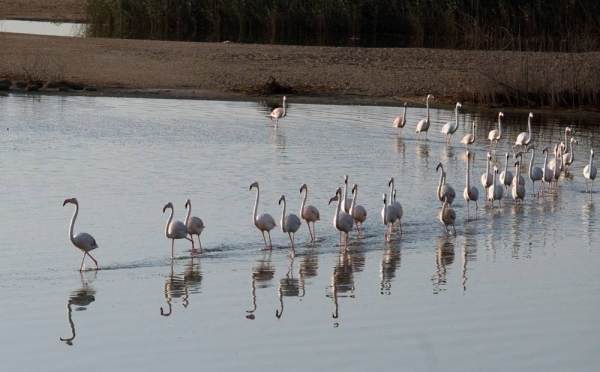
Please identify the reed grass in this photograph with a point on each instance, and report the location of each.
(553, 25)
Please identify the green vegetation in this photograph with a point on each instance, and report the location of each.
(534, 25)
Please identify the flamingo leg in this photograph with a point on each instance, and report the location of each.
(265, 239)
(291, 239)
(346, 246)
(454, 229)
(467, 210)
(199, 244)
(476, 208)
(314, 235)
(270, 244)
(83, 259)
(172, 247)
(95, 262)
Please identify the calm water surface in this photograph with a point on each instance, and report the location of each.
(41, 28)
(514, 290)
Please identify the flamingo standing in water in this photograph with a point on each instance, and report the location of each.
(496, 192)
(174, 229)
(263, 222)
(487, 178)
(496, 134)
(83, 241)
(535, 173)
(548, 174)
(521, 162)
(447, 215)
(346, 200)
(506, 177)
(518, 190)
(342, 221)
(309, 213)
(396, 211)
(524, 138)
(290, 223)
(386, 219)
(450, 127)
(358, 212)
(589, 172)
(470, 193)
(423, 125)
(443, 187)
(194, 226)
(569, 157)
(400, 121)
(469, 138)
(278, 113)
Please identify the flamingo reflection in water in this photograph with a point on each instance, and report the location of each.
(81, 298)
(387, 270)
(180, 286)
(444, 257)
(342, 282)
(262, 273)
(289, 287)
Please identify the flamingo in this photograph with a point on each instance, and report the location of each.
(400, 121)
(496, 134)
(520, 177)
(174, 229)
(194, 225)
(496, 192)
(345, 198)
(470, 193)
(309, 213)
(396, 211)
(450, 127)
(506, 177)
(518, 190)
(487, 177)
(563, 145)
(447, 215)
(556, 164)
(468, 139)
(548, 174)
(524, 138)
(342, 221)
(278, 113)
(85, 241)
(263, 222)
(358, 212)
(423, 125)
(570, 155)
(443, 187)
(535, 173)
(589, 172)
(385, 218)
(290, 223)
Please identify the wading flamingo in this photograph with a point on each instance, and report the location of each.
(450, 127)
(423, 125)
(278, 113)
(589, 172)
(194, 225)
(535, 173)
(385, 218)
(518, 190)
(396, 211)
(506, 177)
(470, 193)
(400, 121)
(468, 139)
(342, 221)
(443, 187)
(309, 213)
(83, 241)
(496, 134)
(524, 138)
(487, 178)
(346, 200)
(358, 212)
(174, 229)
(569, 156)
(263, 222)
(496, 192)
(447, 215)
(548, 174)
(290, 223)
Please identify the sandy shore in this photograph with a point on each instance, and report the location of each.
(238, 71)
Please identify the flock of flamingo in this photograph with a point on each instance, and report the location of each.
(348, 213)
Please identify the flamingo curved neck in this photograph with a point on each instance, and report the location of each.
(255, 205)
(189, 212)
(345, 194)
(169, 222)
(336, 217)
(468, 177)
(353, 202)
(440, 184)
(391, 193)
(499, 125)
(427, 118)
(591, 165)
(404, 115)
(456, 121)
(303, 201)
(71, 236)
(531, 163)
(529, 127)
(283, 225)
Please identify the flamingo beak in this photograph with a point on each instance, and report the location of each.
(66, 201)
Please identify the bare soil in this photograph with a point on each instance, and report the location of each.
(244, 71)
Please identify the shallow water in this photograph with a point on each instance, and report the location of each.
(41, 28)
(514, 290)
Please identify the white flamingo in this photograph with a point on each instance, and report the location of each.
(518, 190)
(470, 193)
(396, 211)
(447, 215)
(496, 192)
(487, 178)
(83, 241)
(290, 223)
(385, 218)
(263, 222)
(563, 145)
(174, 229)
(524, 138)
(556, 163)
(450, 127)
(589, 172)
(506, 177)
(496, 134)
(423, 125)
(358, 212)
(194, 225)
(278, 113)
(309, 213)
(519, 156)
(548, 174)
(342, 221)
(443, 187)
(347, 201)
(535, 173)
(569, 156)
(400, 121)
(469, 138)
